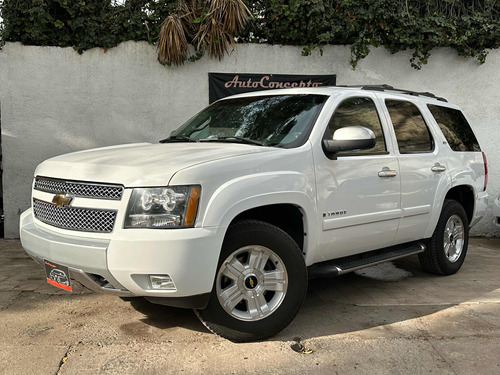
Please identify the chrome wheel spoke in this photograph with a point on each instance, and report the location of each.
(453, 249)
(449, 227)
(233, 269)
(257, 306)
(231, 296)
(458, 232)
(274, 281)
(257, 259)
(447, 249)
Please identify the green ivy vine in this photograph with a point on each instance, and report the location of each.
(470, 27)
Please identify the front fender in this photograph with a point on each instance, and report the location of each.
(262, 189)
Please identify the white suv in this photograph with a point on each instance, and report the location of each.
(234, 211)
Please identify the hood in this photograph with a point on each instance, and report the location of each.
(140, 164)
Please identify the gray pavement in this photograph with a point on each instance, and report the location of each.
(388, 319)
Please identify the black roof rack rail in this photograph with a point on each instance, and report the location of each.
(408, 92)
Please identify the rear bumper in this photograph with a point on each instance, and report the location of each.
(122, 264)
(482, 199)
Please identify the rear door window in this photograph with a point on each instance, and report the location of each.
(455, 128)
(412, 132)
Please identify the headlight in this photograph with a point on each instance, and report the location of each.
(166, 207)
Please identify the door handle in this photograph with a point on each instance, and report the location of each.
(438, 168)
(386, 172)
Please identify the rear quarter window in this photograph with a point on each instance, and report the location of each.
(455, 128)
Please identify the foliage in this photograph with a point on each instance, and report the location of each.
(470, 27)
(209, 25)
(82, 24)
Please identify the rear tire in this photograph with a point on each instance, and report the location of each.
(260, 284)
(447, 248)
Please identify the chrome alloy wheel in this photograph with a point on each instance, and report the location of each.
(251, 283)
(453, 241)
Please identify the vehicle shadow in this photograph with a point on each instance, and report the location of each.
(353, 303)
(373, 298)
(164, 317)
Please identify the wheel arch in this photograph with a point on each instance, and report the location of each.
(463, 194)
(288, 217)
(289, 212)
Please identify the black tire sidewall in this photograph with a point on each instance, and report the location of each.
(259, 233)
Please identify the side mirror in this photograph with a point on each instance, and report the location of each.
(350, 138)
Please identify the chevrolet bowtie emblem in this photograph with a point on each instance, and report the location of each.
(61, 200)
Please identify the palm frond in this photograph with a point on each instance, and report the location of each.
(172, 42)
(211, 25)
(191, 12)
(232, 14)
(224, 20)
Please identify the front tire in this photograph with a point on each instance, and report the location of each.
(447, 247)
(260, 284)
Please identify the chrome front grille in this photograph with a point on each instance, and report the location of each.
(79, 189)
(74, 218)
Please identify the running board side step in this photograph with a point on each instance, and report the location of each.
(337, 267)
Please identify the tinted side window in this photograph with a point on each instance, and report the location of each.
(411, 131)
(359, 112)
(455, 128)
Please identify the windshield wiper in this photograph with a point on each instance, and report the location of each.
(178, 138)
(233, 138)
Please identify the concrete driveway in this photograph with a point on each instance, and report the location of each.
(389, 319)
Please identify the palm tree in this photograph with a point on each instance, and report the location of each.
(209, 25)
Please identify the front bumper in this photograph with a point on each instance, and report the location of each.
(121, 264)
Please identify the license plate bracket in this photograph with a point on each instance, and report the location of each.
(57, 275)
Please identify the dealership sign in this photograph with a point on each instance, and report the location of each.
(225, 84)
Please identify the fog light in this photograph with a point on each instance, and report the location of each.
(164, 282)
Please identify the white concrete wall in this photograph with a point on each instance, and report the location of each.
(55, 101)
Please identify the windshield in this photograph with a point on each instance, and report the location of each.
(280, 120)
